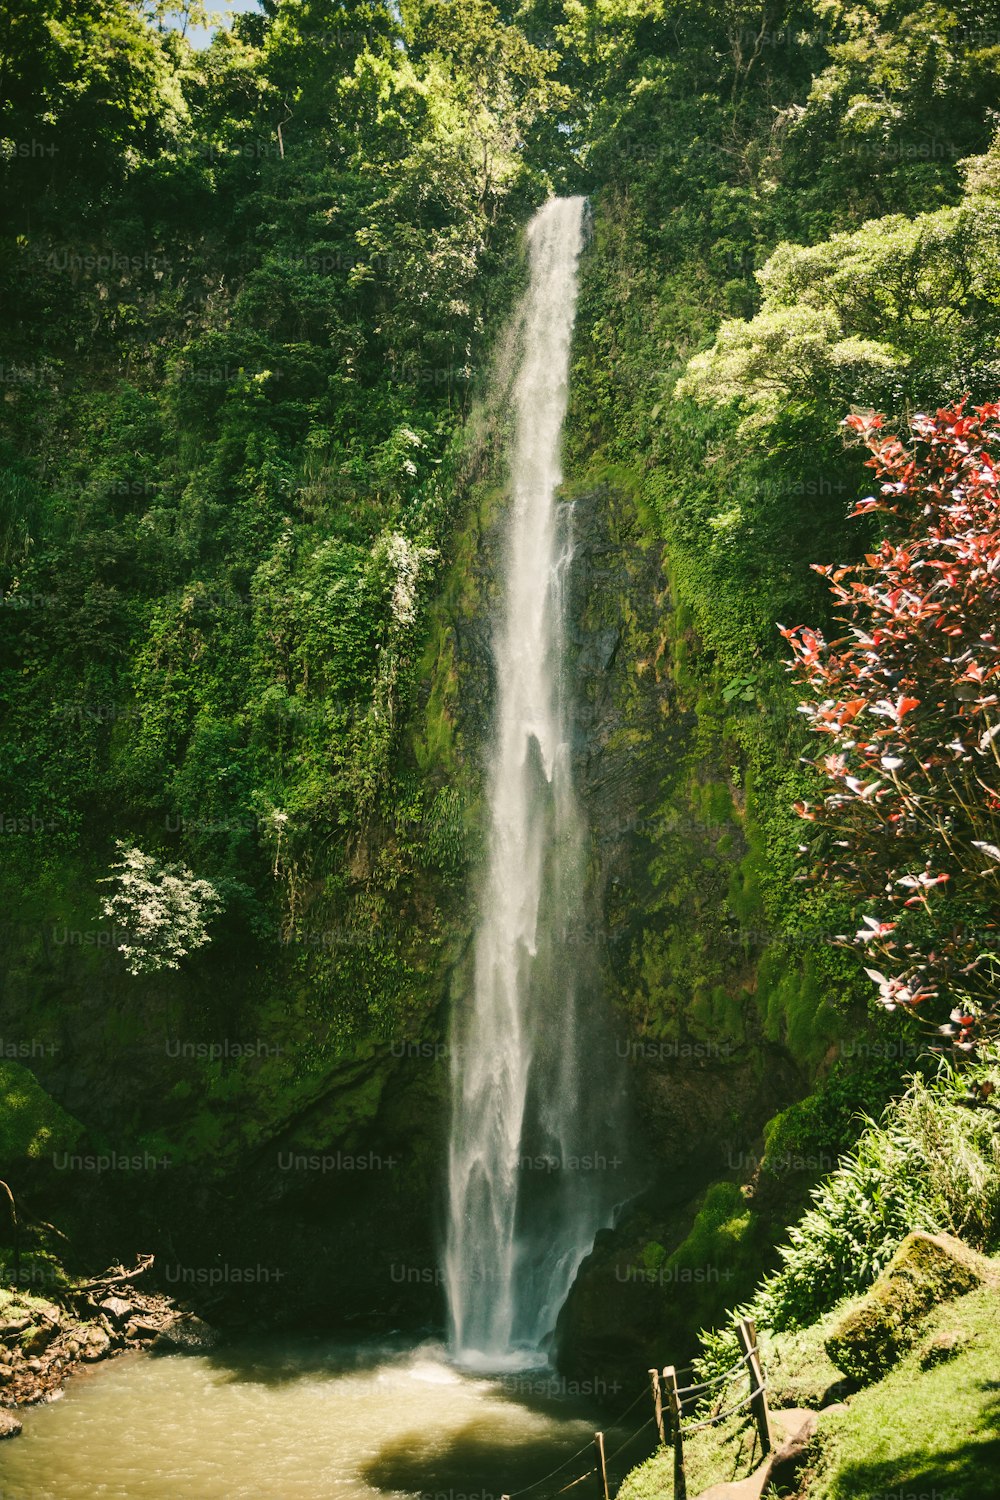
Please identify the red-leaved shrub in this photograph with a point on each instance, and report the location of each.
(907, 698)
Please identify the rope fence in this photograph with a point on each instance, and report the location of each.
(663, 1384)
(514, 1494)
(599, 1468)
(756, 1400)
(707, 1385)
(579, 1480)
(717, 1417)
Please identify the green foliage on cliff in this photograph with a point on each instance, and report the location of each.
(793, 219)
(932, 1162)
(249, 294)
(240, 335)
(32, 1125)
(832, 238)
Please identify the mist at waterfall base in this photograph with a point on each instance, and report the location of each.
(313, 1418)
(535, 1163)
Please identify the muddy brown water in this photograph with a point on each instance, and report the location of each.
(314, 1419)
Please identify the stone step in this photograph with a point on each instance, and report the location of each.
(739, 1489)
(793, 1431)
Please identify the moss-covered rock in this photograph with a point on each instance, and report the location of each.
(926, 1270)
(922, 1430)
(32, 1125)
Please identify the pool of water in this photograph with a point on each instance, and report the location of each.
(315, 1419)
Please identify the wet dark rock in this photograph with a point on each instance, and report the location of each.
(96, 1346)
(118, 1311)
(38, 1338)
(10, 1426)
(188, 1334)
(701, 1097)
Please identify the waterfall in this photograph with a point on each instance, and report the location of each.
(532, 1069)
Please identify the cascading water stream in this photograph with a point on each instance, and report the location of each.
(533, 1076)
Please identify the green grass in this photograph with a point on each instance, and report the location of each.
(714, 1456)
(930, 1430)
(799, 1370)
(923, 1431)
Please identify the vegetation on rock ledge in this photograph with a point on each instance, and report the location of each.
(248, 508)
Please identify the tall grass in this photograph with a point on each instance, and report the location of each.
(932, 1162)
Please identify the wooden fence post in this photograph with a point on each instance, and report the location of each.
(747, 1334)
(674, 1403)
(654, 1381)
(602, 1468)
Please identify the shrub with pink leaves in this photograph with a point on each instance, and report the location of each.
(907, 700)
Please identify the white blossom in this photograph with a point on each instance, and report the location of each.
(160, 911)
(406, 559)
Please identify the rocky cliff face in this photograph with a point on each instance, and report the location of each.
(305, 1178)
(666, 834)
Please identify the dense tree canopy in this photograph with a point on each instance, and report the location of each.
(252, 387)
(249, 294)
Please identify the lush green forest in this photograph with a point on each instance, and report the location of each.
(253, 397)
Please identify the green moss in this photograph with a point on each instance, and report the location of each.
(32, 1125)
(922, 1431)
(434, 733)
(652, 1256)
(925, 1271)
(719, 1260)
(614, 476)
(811, 1134)
(353, 1106)
(714, 802)
(794, 1004)
(722, 1223)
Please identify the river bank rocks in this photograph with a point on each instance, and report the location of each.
(42, 1340)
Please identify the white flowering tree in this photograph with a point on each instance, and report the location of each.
(406, 560)
(161, 911)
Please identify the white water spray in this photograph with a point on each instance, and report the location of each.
(528, 1186)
